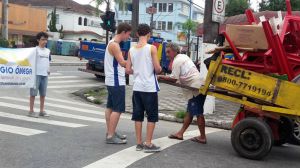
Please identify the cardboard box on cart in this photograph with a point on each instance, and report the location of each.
(247, 36)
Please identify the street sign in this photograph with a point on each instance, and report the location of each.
(218, 13)
(151, 10)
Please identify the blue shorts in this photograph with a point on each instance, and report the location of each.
(116, 98)
(41, 86)
(195, 105)
(145, 101)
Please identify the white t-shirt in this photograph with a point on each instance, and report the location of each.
(185, 71)
(42, 61)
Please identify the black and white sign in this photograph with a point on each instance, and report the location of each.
(218, 13)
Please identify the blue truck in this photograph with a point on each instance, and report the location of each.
(94, 52)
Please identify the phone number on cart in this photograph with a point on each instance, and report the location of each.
(244, 86)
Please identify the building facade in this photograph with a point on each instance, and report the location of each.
(24, 23)
(167, 20)
(79, 22)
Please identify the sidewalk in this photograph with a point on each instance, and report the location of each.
(59, 60)
(171, 100)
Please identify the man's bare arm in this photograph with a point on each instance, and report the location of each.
(115, 50)
(129, 65)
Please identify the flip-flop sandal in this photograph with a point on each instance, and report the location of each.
(196, 139)
(172, 136)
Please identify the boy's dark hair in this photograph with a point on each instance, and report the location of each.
(41, 34)
(123, 27)
(143, 29)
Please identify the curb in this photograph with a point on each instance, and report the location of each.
(222, 124)
(67, 64)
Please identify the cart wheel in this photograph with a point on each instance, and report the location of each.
(252, 138)
(285, 131)
(295, 139)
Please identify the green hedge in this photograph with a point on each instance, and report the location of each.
(4, 43)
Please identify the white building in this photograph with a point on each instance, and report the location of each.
(168, 19)
(78, 21)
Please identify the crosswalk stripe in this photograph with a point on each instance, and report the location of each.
(100, 112)
(19, 130)
(70, 81)
(71, 86)
(40, 120)
(55, 113)
(59, 106)
(55, 74)
(62, 77)
(128, 156)
(70, 102)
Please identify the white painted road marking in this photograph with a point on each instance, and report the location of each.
(20, 130)
(40, 120)
(128, 156)
(100, 112)
(62, 77)
(72, 86)
(55, 113)
(69, 81)
(72, 102)
(54, 73)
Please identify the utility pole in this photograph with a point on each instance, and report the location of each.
(189, 31)
(5, 19)
(107, 9)
(135, 18)
(152, 14)
(211, 29)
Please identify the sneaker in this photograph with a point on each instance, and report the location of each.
(139, 147)
(151, 149)
(115, 140)
(123, 137)
(32, 114)
(44, 114)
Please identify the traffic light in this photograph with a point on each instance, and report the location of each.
(109, 22)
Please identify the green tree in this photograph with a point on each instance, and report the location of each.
(189, 28)
(236, 7)
(52, 24)
(278, 5)
(108, 3)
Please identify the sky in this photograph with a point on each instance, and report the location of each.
(254, 3)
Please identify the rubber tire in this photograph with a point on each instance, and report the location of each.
(296, 139)
(264, 132)
(286, 128)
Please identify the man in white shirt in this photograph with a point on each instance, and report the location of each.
(42, 72)
(185, 72)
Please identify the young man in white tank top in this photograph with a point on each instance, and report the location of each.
(114, 64)
(144, 65)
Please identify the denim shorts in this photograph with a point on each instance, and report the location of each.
(116, 98)
(41, 86)
(196, 104)
(145, 101)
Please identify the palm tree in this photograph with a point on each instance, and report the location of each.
(188, 28)
(108, 3)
